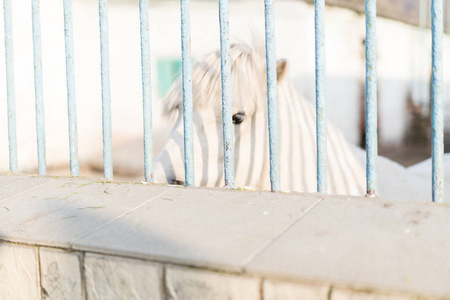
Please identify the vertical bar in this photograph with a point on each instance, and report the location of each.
(146, 89)
(106, 93)
(448, 16)
(272, 95)
(371, 97)
(437, 116)
(226, 94)
(321, 98)
(38, 89)
(9, 58)
(70, 77)
(187, 94)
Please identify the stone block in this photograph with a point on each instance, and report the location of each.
(18, 272)
(109, 277)
(194, 284)
(200, 227)
(62, 210)
(338, 294)
(60, 275)
(372, 243)
(277, 290)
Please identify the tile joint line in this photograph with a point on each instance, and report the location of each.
(23, 192)
(118, 217)
(258, 252)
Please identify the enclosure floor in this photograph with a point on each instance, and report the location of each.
(369, 247)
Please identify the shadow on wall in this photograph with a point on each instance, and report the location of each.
(65, 212)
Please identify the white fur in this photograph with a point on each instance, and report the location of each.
(346, 172)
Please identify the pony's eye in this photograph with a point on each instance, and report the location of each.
(238, 118)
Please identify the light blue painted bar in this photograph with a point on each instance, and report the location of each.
(437, 94)
(146, 90)
(272, 99)
(38, 89)
(106, 92)
(227, 103)
(321, 97)
(70, 77)
(188, 110)
(10, 91)
(371, 98)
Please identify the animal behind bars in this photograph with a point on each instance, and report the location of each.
(346, 173)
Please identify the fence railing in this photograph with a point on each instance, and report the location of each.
(321, 125)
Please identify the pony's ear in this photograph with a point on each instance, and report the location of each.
(282, 67)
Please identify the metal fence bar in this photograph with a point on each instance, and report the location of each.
(226, 94)
(38, 89)
(146, 89)
(70, 77)
(448, 16)
(321, 98)
(188, 109)
(437, 116)
(9, 59)
(371, 98)
(106, 92)
(272, 98)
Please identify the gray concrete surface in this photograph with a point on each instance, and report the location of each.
(72, 231)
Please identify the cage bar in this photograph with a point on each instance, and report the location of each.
(272, 98)
(146, 89)
(10, 88)
(321, 98)
(70, 77)
(437, 95)
(106, 91)
(38, 89)
(226, 94)
(371, 98)
(188, 109)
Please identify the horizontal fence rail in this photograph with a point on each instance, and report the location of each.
(437, 9)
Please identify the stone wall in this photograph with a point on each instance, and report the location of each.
(32, 272)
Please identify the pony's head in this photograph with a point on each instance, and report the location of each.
(249, 96)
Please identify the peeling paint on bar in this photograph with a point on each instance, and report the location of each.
(39, 98)
(146, 89)
(371, 98)
(188, 109)
(70, 77)
(106, 92)
(226, 94)
(272, 98)
(437, 115)
(10, 89)
(321, 97)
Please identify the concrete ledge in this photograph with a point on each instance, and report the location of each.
(67, 238)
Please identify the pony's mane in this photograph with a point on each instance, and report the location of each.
(248, 83)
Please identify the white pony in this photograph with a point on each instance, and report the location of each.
(346, 173)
